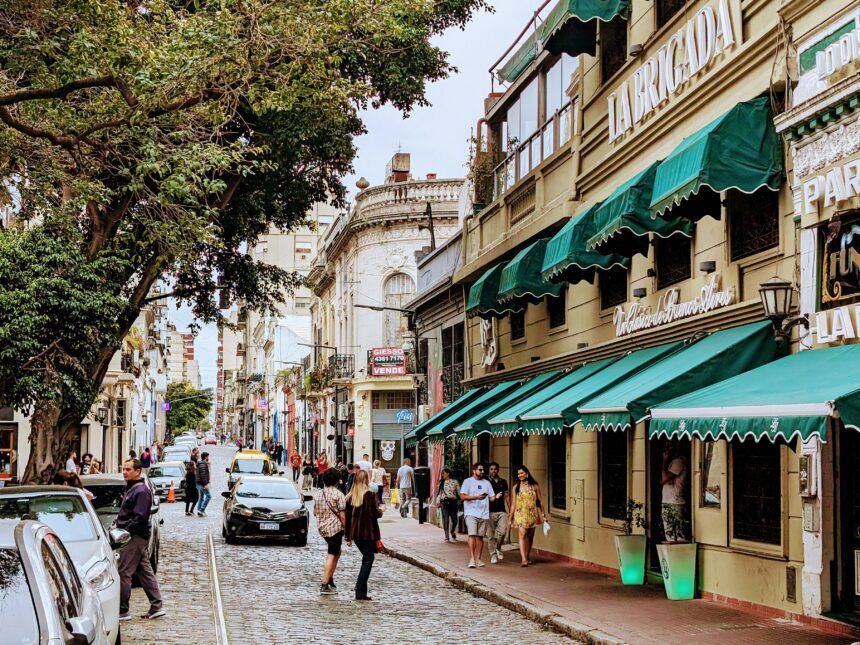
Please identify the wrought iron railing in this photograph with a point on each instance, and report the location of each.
(341, 365)
(452, 382)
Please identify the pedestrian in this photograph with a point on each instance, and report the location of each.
(134, 556)
(191, 496)
(153, 453)
(525, 512)
(447, 497)
(377, 476)
(195, 454)
(330, 511)
(86, 463)
(351, 469)
(475, 493)
(344, 475)
(362, 527)
(202, 481)
(132, 454)
(405, 483)
(322, 466)
(95, 467)
(72, 461)
(674, 485)
(296, 465)
(264, 447)
(146, 460)
(223, 438)
(308, 471)
(498, 525)
(365, 464)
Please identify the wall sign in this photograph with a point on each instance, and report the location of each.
(387, 361)
(669, 309)
(689, 52)
(840, 263)
(830, 188)
(826, 58)
(405, 416)
(835, 325)
(489, 342)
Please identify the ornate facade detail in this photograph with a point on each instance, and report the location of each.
(826, 150)
(489, 343)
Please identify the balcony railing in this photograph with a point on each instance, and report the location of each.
(410, 191)
(341, 366)
(452, 382)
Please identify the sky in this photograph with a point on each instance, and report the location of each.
(437, 136)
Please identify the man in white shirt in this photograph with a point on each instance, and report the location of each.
(475, 493)
(405, 483)
(365, 464)
(674, 493)
(71, 466)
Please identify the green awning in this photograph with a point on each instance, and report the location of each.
(571, 26)
(520, 60)
(566, 258)
(703, 361)
(560, 412)
(476, 423)
(521, 281)
(420, 431)
(443, 430)
(791, 397)
(483, 298)
(740, 149)
(506, 421)
(623, 221)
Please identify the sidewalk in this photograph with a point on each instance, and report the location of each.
(593, 606)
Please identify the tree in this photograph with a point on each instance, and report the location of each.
(188, 407)
(143, 140)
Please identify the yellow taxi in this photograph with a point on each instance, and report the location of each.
(249, 462)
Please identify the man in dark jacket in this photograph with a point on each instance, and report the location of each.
(134, 557)
(203, 484)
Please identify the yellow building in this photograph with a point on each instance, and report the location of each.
(634, 200)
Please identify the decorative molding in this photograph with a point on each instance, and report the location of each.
(826, 150)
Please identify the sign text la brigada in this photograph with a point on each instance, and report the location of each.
(639, 317)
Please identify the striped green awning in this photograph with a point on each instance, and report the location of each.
(520, 60)
(445, 428)
(560, 411)
(521, 280)
(419, 432)
(703, 361)
(483, 298)
(740, 149)
(571, 26)
(623, 222)
(567, 260)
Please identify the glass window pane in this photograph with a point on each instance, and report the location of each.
(564, 125)
(554, 89)
(548, 139)
(529, 110)
(524, 162)
(569, 64)
(711, 475)
(535, 156)
(514, 130)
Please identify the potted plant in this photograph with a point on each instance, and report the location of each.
(631, 548)
(677, 556)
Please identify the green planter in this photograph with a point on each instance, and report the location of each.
(631, 558)
(678, 564)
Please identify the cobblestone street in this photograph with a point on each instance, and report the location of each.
(270, 592)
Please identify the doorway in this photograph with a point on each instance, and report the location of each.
(849, 517)
(656, 533)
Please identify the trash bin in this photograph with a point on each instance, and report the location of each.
(422, 491)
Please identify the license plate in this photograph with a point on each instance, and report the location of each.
(269, 526)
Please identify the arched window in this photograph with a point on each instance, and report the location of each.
(399, 289)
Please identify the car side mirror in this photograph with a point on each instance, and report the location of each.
(227, 470)
(83, 629)
(118, 538)
(155, 504)
(309, 498)
(226, 494)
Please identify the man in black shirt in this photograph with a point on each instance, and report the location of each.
(498, 525)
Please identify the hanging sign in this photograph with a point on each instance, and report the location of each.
(262, 404)
(669, 309)
(387, 361)
(840, 263)
(405, 416)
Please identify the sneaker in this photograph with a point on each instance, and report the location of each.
(453, 538)
(125, 616)
(447, 540)
(472, 563)
(499, 555)
(363, 598)
(158, 613)
(327, 590)
(332, 584)
(481, 563)
(493, 559)
(202, 513)
(189, 513)
(199, 513)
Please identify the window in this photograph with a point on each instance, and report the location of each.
(613, 47)
(399, 289)
(557, 310)
(303, 303)
(453, 353)
(666, 9)
(753, 221)
(674, 260)
(60, 593)
(8, 451)
(613, 474)
(120, 413)
(518, 324)
(711, 475)
(515, 454)
(757, 492)
(394, 400)
(558, 470)
(613, 287)
(557, 81)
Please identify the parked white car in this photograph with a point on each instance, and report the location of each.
(70, 515)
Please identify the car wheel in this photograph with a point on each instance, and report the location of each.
(302, 540)
(230, 539)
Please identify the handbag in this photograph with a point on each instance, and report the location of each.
(380, 547)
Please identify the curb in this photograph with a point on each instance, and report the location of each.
(221, 637)
(548, 619)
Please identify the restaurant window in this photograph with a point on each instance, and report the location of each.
(518, 324)
(8, 451)
(558, 470)
(394, 400)
(757, 492)
(613, 287)
(711, 475)
(666, 9)
(613, 47)
(613, 474)
(557, 309)
(753, 221)
(674, 260)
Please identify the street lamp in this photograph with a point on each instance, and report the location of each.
(777, 296)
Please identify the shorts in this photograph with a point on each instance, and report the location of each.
(475, 526)
(334, 543)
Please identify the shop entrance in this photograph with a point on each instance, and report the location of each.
(849, 506)
(679, 449)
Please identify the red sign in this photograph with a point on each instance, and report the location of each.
(387, 361)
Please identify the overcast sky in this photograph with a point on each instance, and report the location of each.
(437, 136)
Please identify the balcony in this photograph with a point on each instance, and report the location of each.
(240, 349)
(452, 382)
(341, 366)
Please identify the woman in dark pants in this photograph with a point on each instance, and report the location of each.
(190, 487)
(362, 527)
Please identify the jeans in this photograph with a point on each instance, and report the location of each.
(405, 498)
(368, 552)
(496, 530)
(449, 516)
(296, 474)
(204, 495)
(134, 558)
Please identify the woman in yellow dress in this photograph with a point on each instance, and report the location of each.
(526, 511)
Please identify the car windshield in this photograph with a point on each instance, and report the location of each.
(273, 490)
(107, 498)
(176, 455)
(166, 471)
(250, 466)
(17, 613)
(65, 514)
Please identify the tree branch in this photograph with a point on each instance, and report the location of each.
(61, 141)
(57, 92)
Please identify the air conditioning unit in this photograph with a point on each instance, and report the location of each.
(423, 413)
(343, 412)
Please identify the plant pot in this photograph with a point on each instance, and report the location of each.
(678, 564)
(631, 558)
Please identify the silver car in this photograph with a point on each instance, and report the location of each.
(165, 473)
(42, 597)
